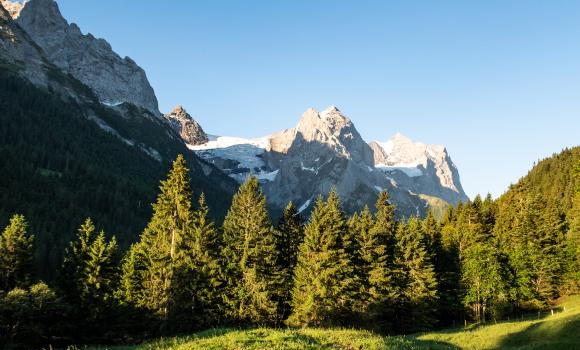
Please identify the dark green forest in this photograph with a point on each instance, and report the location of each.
(57, 167)
(485, 260)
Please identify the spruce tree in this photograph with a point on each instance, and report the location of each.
(325, 285)
(149, 269)
(15, 255)
(378, 288)
(289, 236)
(249, 254)
(573, 248)
(416, 277)
(198, 284)
(89, 273)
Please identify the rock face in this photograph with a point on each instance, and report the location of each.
(19, 53)
(424, 169)
(90, 60)
(325, 150)
(13, 8)
(189, 130)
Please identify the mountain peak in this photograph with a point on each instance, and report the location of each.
(92, 61)
(400, 138)
(13, 7)
(189, 130)
(180, 111)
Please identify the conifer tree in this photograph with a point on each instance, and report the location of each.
(197, 278)
(324, 282)
(416, 277)
(149, 269)
(573, 247)
(89, 272)
(289, 236)
(385, 223)
(250, 257)
(378, 289)
(15, 254)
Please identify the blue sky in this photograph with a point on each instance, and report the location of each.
(496, 82)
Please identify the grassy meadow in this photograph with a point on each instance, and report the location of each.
(560, 331)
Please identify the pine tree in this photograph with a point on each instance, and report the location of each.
(289, 236)
(573, 248)
(101, 275)
(324, 282)
(416, 277)
(89, 273)
(197, 277)
(15, 254)
(250, 257)
(378, 291)
(148, 272)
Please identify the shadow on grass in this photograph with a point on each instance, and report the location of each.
(563, 333)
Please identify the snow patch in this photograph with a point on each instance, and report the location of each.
(307, 169)
(409, 171)
(112, 104)
(304, 206)
(268, 176)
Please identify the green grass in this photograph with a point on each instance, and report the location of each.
(561, 331)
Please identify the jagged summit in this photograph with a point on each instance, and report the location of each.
(13, 7)
(429, 166)
(325, 150)
(189, 130)
(90, 60)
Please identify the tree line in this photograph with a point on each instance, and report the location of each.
(483, 260)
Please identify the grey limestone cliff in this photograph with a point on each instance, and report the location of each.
(90, 60)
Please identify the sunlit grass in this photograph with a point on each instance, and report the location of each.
(560, 331)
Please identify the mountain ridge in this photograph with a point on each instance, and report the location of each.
(325, 150)
(90, 60)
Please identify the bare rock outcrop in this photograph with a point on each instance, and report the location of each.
(189, 130)
(90, 60)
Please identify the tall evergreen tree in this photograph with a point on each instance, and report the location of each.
(89, 273)
(416, 277)
(15, 254)
(378, 288)
(325, 285)
(250, 257)
(289, 236)
(149, 269)
(197, 279)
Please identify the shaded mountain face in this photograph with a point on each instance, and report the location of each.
(92, 61)
(325, 150)
(67, 156)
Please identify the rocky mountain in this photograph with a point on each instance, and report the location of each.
(13, 8)
(90, 60)
(67, 156)
(325, 150)
(189, 130)
(421, 168)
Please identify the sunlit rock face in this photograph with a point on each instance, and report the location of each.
(325, 151)
(90, 60)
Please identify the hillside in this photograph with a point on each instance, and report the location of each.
(552, 178)
(59, 167)
(550, 332)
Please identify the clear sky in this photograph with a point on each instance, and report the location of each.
(496, 82)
